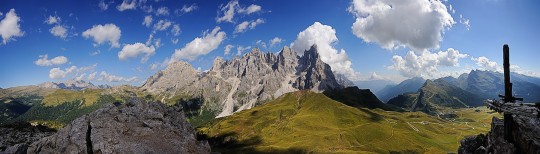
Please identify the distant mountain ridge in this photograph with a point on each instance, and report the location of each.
(435, 95)
(406, 86)
(374, 85)
(72, 84)
(243, 82)
(469, 89)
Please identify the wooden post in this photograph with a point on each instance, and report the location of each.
(507, 83)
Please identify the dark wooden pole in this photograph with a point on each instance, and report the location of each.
(507, 83)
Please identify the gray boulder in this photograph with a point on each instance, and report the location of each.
(130, 128)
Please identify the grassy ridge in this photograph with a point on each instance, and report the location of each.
(60, 96)
(310, 122)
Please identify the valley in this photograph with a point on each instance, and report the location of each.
(311, 122)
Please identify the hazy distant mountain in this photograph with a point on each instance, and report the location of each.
(469, 89)
(72, 85)
(374, 85)
(406, 86)
(434, 95)
(489, 84)
(242, 82)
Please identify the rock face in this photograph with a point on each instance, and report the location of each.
(135, 127)
(344, 81)
(19, 135)
(525, 138)
(73, 85)
(243, 82)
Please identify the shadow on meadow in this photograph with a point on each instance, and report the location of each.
(228, 143)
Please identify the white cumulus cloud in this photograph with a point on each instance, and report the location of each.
(416, 24)
(230, 9)
(465, 22)
(228, 48)
(162, 25)
(59, 31)
(242, 27)
(10, 27)
(80, 77)
(261, 43)
(175, 30)
(241, 49)
(147, 21)
(44, 61)
(104, 33)
(162, 11)
(136, 49)
(275, 40)
(486, 64)
(57, 73)
(187, 9)
(200, 45)
(425, 64)
(91, 76)
(53, 20)
(103, 6)
(104, 76)
(324, 37)
(250, 9)
(127, 5)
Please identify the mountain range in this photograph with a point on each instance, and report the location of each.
(374, 85)
(406, 86)
(468, 90)
(73, 85)
(243, 82)
(436, 95)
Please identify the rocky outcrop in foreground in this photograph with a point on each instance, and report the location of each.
(136, 127)
(21, 133)
(525, 138)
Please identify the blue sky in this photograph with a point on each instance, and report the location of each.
(405, 39)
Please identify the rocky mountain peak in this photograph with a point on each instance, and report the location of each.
(314, 73)
(287, 53)
(179, 66)
(312, 53)
(242, 82)
(177, 74)
(217, 63)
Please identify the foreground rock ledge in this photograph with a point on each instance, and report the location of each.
(129, 128)
(525, 136)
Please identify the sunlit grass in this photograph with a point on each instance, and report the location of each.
(315, 123)
(87, 97)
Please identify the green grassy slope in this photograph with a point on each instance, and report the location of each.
(55, 109)
(311, 122)
(436, 95)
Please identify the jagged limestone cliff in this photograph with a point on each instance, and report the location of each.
(243, 82)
